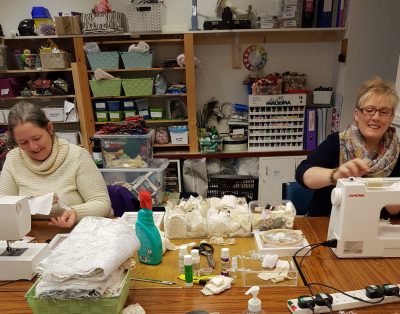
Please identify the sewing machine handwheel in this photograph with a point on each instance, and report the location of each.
(336, 197)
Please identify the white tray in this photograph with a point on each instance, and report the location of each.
(280, 250)
(131, 217)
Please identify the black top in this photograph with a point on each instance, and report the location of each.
(327, 156)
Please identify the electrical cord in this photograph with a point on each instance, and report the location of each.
(346, 294)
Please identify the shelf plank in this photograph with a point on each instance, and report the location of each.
(188, 155)
(143, 70)
(34, 71)
(160, 121)
(38, 97)
(276, 35)
(170, 145)
(145, 96)
(149, 41)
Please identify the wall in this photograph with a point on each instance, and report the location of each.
(373, 33)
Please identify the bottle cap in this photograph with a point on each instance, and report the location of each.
(225, 252)
(183, 250)
(187, 260)
(195, 253)
(145, 199)
(254, 304)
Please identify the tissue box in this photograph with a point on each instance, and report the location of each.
(68, 25)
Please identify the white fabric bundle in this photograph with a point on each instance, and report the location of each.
(216, 285)
(95, 249)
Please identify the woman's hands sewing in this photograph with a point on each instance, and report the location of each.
(353, 168)
(66, 220)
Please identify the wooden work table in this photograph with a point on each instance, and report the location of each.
(322, 266)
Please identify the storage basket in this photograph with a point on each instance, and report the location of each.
(111, 22)
(138, 87)
(28, 61)
(138, 60)
(55, 60)
(105, 88)
(145, 18)
(109, 305)
(104, 60)
(243, 186)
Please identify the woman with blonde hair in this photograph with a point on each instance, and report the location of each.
(368, 147)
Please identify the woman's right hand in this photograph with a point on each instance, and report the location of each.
(353, 168)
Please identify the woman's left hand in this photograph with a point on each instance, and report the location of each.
(66, 220)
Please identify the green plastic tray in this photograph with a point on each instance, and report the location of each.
(88, 306)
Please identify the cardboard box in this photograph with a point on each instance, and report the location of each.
(68, 25)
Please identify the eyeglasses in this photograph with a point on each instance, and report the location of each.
(370, 111)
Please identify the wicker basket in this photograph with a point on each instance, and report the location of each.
(104, 60)
(243, 186)
(145, 18)
(138, 87)
(55, 60)
(107, 305)
(138, 60)
(105, 88)
(28, 61)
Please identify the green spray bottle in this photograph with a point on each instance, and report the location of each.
(150, 251)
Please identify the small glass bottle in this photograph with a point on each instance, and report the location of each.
(196, 261)
(182, 253)
(225, 259)
(234, 267)
(188, 271)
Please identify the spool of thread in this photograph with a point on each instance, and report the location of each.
(375, 182)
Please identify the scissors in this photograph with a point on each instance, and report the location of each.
(207, 250)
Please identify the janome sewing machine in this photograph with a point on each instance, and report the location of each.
(355, 218)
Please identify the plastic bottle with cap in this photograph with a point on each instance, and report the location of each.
(188, 271)
(196, 261)
(182, 253)
(254, 304)
(225, 261)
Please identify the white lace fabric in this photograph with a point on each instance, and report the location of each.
(95, 249)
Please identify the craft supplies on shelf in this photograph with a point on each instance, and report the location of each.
(276, 122)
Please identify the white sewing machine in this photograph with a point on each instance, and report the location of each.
(18, 260)
(355, 218)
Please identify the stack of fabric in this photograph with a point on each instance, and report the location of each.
(90, 262)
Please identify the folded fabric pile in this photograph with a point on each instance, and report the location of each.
(90, 262)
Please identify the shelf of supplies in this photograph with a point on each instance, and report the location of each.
(34, 71)
(187, 155)
(144, 96)
(142, 70)
(159, 121)
(38, 97)
(54, 122)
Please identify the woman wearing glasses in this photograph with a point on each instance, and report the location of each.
(368, 147)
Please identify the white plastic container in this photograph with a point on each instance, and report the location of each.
(54, 114)
(179, 134)
(71, 137)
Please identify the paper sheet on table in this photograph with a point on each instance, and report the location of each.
(41, 204)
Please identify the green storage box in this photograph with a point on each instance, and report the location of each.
(138, 87)
(104, 60)
(105, 88)
(103, 305)
(137, 60)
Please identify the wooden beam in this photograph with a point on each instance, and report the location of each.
(191, 91)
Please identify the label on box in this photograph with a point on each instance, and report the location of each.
(5, 91)
(156, 114)
(100, 105)
(101, 115)
(128, 104)
(143, 113)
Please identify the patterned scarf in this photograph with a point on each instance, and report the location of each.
(382, 162)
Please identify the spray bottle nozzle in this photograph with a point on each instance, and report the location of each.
(254, 304)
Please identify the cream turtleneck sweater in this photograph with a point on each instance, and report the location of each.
(69, 171)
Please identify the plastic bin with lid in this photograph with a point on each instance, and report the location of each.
(151, 179)
(126, 150)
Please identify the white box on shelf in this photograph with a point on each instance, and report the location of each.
(72, 137)
(54, 114)
(322, 97)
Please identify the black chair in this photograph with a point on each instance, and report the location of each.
(299, 196)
